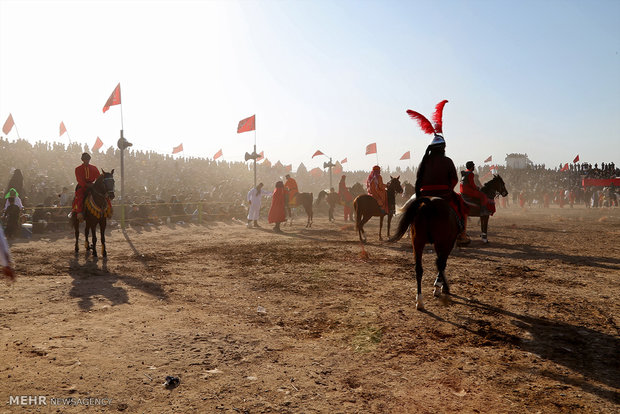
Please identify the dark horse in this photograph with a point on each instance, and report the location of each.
(490, 189)
(431, 220)
(96, 211)
(305, 200)
(331, 199)
(365, 207)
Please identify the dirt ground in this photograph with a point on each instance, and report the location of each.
(255, 322)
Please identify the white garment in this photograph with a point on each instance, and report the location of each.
(255, 198)
(18, 203)
(5, 255)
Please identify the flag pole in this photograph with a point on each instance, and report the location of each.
(16, 130)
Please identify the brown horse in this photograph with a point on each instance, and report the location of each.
(366, 206)
(301, 199)
(96, 211)
(431, 220)
(490, 189)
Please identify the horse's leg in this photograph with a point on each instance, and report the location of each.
(94, 231)
(484, 225)
(441, 283)
(389, 223)
(380, 226)
(86, 230)
(102, 226)
(418, 247)
(76, 227)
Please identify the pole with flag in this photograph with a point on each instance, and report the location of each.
(122, 143)
(62, 129)
(8, 125)
(329, 165)
(372, 149)
(245, 125)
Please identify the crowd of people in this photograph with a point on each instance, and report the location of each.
(160, 188)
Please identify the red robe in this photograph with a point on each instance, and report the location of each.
(291, 188)
(346, 197)
(377, 189)
(276, 212)
(84, 175)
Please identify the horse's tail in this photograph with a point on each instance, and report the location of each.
(409, 212)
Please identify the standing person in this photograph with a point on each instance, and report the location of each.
(12, 215)
(5, 257)
(376, 188)
(255, 196)
(276, 212)
(85, 175)
(291, 189)
(346, 197)
(14, 195)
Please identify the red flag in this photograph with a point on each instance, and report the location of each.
(62, 129)
(318, 152)
(247, 124)
(178, 149)
(260, 156)
(406, 156)
(489, 159)
(218, 154)
(565, 168)
(371, 148)
(343, 161)
(114, 99)
(576, 159)
(8, 125)
(289, 168)
(98, 144)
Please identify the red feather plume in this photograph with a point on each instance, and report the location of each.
(438, 115)
(424, 123)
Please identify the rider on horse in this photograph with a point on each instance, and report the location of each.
(376, 188)
(437, 177)
(291, 190)
(470, 190)
(86, 175)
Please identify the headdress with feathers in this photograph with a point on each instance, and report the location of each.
(426, 125)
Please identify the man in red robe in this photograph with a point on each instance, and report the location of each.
(86, 175)
(469, 187)
(291, 189)
(346, 197)
(376, 188)
(276, 212)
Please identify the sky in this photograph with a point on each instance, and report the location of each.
(535, 77)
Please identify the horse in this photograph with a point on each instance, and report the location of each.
(305, 200)
(432, 220)
(365, 207)
(490, 189)
(331, 199)
(357, 190)
(409, 190)
(96, 211)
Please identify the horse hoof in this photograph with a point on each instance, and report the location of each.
(437, 291)
(419, 306)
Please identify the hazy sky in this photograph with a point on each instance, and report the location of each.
(541, 77)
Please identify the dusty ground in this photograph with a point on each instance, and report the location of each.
(532, 326)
